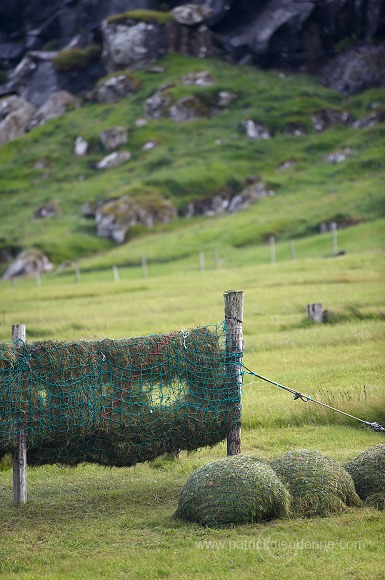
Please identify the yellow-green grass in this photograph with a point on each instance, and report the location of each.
(93, 522)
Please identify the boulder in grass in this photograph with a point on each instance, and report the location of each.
(319, 485)
(114, 160)
(368, 473)
(28, 263)
(234, 490)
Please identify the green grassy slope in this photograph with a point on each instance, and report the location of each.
(190, 164)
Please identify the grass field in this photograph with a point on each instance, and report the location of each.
(95, 522)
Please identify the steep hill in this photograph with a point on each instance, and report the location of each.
(205, 139)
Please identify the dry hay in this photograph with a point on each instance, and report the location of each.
(237, 490)
(117, 402)
(319, 485)
(368, 473)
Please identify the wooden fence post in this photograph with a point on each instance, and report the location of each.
(234, 344)
(20, 453)
(314, 312)
(272, 249)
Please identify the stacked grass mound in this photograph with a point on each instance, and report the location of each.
(236, 489)
(368, 473)
(318, 484)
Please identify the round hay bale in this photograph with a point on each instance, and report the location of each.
(236, 489)
(319, 485)
(368, 473)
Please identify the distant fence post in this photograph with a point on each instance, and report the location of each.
(234, 344)
(335, 243)
(272, 249)
(144, 267)
(314, 312)
(202, 261)
(20, 452)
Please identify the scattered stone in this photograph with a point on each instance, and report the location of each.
(15, 115)
(225, 98)
(191, 14)
(377, 116)
(140, 122)
(200, 79)
(255, 130)
(114, 160)
(115, 88)
(329, 118)
(41, 164)
(286, 165)
(226, 201)
(156, 105)
(28, 263)
(295, 129)
(150, 145)
(113, 138)
(58, 104)
(338, 156)
(46, 210)
(188, 108)
(155, 69)
(80, 147)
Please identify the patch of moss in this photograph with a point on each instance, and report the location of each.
(76, 58)
(151, 16)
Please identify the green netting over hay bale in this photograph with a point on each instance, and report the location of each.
(368, 473)
(118, 402)
(237, 489)
(319, 485)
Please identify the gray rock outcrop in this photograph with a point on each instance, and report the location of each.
(58, 104)
(138, 44)
(114, 160)
(80, 146)
(356, 70)
(114, 88)
(15, 116)
(113, 138)
(115, 217)
(191, 14)
(255, 130)
(28, 263)
(228, 201)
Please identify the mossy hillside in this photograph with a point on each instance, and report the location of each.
(197, 159)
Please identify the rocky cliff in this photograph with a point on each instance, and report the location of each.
(342, 40)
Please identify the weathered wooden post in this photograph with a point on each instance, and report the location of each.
(292, 250)
(20, 453)
(234, 344)
(272, 249)
(314, 312)
(202, 261)
(115, 273)
(144, 267)
(334, 233)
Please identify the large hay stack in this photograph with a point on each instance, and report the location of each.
(237, 489)
(368, 473)
(318, 484)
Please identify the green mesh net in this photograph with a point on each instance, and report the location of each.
(319, 485)
(118, 402)
(238, 489)
(368, 473)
